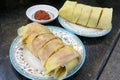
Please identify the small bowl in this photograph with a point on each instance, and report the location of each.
(52, 11)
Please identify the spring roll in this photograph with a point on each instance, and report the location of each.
(61, 58)
(57, 58)
(27, 30)
(67, 10)
(40, 41)
(50, 48)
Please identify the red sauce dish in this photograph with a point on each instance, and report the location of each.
(41, 15)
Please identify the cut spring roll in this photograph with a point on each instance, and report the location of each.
(61, 72)
(67, 10)
(105, 19)
(94, 18)
(77, 13)
(50, 48)
(61, 58)
(40, 41)
(29, 40)
(27, 30)
(85, 14)
(57, 58)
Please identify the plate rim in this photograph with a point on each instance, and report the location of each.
(27, 75)
(13, 62)
(83, 35)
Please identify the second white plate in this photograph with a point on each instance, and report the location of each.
(83, 31)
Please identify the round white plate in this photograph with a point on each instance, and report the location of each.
(52, 11)
(81, 30)
(29, 66)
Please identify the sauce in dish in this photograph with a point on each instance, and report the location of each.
(41, 15)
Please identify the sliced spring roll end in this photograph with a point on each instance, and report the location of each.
(105, 19)
(85, 14)
(57, 59)
(94, 18)
(22, 30)
(60, 73)
(108, 26)
(66, 10)
(61, 70)
(25, 31)
(72, 64)
(76, 13)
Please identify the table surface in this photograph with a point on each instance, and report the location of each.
(98, 49)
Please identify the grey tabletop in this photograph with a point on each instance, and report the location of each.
(98, 49)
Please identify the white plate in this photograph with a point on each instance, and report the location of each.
(81, 30)
(29, 66)
(52, 11)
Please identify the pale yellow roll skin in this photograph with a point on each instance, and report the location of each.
(85, 14)
(66, 69)
(62, 66)
(27, 30)
(40, 41)
(45, 52)
(57, 58)
(105, 19)
(94, 18)
(67, 10)
(77, 13)
(29, 41)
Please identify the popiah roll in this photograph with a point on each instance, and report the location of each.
(57, 58)
(40, 41)
(49, 49)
